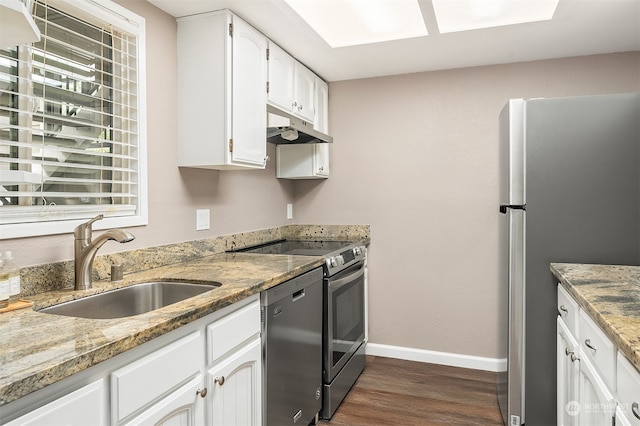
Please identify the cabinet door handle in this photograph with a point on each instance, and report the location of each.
(574, 357)
(563, 309)
(219, 380)
(634, 410)
(588, 344)
(202, 392)
(567, 352)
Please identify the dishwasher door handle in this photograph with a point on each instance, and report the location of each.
(297, 295)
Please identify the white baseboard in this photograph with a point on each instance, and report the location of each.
(433, 357)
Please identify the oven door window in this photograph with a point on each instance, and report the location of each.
(347, 316)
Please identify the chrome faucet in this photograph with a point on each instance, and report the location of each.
(85, 250)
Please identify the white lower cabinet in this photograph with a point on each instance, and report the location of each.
(596, 402)
(181, 408)
(568, 373)
(597, 385)
(208, 372)
(628, 391)
(85, 406)
(235, 387)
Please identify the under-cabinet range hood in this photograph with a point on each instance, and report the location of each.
(284, 128)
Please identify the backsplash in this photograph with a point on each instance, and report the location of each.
(60, 275)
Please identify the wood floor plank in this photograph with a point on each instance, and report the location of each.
(397, 392)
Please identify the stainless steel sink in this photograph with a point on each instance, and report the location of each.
(133, 300)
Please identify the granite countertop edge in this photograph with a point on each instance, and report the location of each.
(44, 349)
(610, 295)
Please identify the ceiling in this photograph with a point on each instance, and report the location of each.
(579, 27)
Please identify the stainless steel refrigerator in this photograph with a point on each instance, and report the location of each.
(569, 192)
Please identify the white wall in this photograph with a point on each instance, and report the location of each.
(239, 200)
(416, 157)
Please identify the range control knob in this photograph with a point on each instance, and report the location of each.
(332, 262)
(357, 251)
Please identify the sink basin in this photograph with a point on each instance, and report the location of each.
(133, 300)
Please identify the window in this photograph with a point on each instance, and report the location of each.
(72, 121)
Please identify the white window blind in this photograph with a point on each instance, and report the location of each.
(72, 124)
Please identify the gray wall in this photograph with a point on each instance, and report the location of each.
(415, 156)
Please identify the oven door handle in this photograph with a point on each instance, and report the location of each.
(336, 284)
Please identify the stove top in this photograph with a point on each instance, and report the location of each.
(299, 247)
(338, 254)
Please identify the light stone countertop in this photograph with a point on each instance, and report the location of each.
(38, 349)
(610, 295)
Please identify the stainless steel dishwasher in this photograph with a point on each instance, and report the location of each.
(292, 350)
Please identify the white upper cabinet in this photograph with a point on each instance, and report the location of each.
(305, 91)
(281, 72)
(291, 84)
(308, 161)
(222, 80)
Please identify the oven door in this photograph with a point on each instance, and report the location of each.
(343, 318)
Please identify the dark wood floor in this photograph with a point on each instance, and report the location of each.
(396, 392)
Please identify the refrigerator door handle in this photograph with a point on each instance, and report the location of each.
(504, 207)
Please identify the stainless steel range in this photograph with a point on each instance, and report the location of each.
(343, 343)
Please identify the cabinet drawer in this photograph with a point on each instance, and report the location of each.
(85, 406)
(628, 383)
(151, 377)
(568, 309)
(598, 348)
(232, 330)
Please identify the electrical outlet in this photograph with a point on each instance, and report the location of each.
(289, 211)
(203, 219)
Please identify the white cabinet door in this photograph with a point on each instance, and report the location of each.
(622, 419)
(568, 373)
(596, 403)
(291, 84)
(235, 386)
(180, 408)
(222, 93)
(305, 90)
(249, 88)
(281, 72)
(85, 406)
(308, 161)
(628, 390)
(321, 123)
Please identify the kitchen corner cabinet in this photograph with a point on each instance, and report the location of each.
(222, 85)
(206, 372)
(308, 161)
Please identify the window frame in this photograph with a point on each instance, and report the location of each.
(102, 12)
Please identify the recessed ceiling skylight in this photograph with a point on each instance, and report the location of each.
(351, 22)
(462, 15)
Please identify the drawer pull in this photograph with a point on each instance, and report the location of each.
(202, 392)
(563, 309)
(634, 410)
(219, 380)
(589, 345)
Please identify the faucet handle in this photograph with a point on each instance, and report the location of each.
(83, 231)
